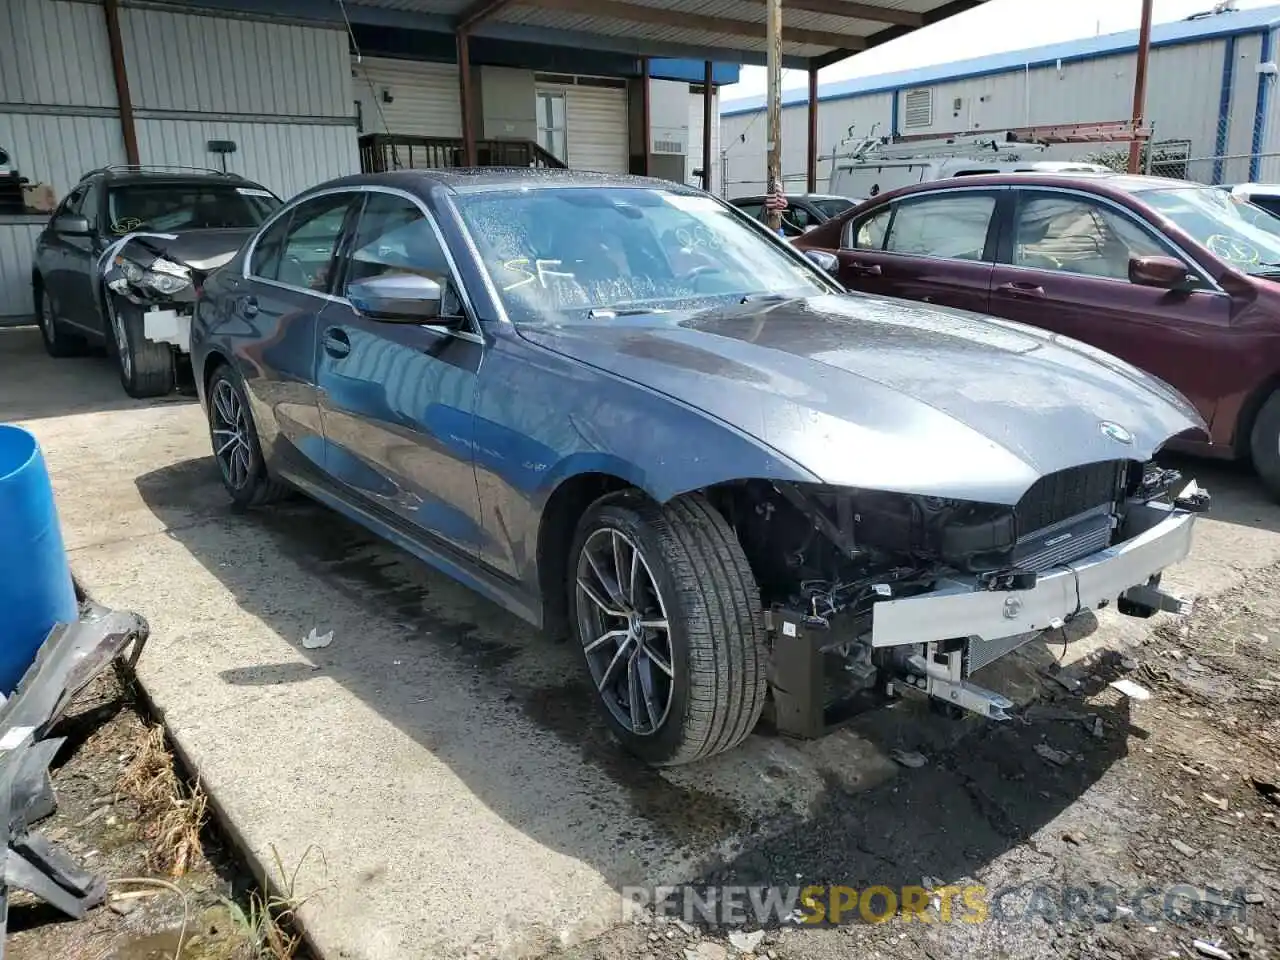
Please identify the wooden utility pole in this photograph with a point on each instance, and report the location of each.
(774, 22)
(1140, 86)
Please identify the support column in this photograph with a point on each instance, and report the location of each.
(773, 18)
(464, 94)
(127, 128)
(812, 168)
(707, 92)
(646, 119)
(1140, 86)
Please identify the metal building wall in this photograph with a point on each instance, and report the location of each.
(1266, 93)
(282, 92)
(58, 117)
(1184, 100)
(694, 144)
(424, 97)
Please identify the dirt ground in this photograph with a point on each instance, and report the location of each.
(102, 825)
(1184, 800)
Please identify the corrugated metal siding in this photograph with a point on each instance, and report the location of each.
(1269, 166)
(60, 150)
(424, 97)
(596, 131)
(285, 157)
(54, 52)
(219, 65)
(17, 243)
(694, 149)
(1186, 83)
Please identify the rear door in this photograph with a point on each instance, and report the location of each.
(397, 399)
(935, 247)
(283, 298)
(1064, 266)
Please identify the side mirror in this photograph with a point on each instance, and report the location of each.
(824, 260)
(71, 224)
(400, 298)
(1164, 272)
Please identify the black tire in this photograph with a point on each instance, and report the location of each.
(1264, 444)
(247, 482)
(146, 367)
(715, 634)
(57, 341)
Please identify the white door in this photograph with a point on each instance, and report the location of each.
(596, 131)
(410, 97)
(695, 143)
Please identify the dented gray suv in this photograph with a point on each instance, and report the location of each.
(124, 256)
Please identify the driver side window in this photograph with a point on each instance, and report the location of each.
(1073, 234)
(394, 238)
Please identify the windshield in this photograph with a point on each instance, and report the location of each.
(187, 206)
(832, 207)
(1242, 234)
(557, 251)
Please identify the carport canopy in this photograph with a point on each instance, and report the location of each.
(815, 33)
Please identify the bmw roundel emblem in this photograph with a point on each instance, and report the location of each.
(1116, 432)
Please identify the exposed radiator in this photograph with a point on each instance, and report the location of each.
(979, 653)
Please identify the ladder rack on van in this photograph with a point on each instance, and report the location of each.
(988, 144)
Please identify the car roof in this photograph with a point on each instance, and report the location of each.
(1255, 189)
(1107, 182)
(793, 196)
(485, 179)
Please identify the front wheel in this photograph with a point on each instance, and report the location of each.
(1264, 444)
(146, 367)
(668, 614)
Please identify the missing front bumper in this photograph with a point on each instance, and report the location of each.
(932, 642)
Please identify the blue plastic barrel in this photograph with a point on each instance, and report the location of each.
(35, 578)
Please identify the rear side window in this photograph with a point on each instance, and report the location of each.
(265, 262)
(953, 226)
(755, 210)
(311, 242)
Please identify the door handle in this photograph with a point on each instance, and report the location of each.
(866, 269)
(1021, 289)
(336, 343)
(249, 305)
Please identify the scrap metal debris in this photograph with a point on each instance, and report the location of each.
(908, 758)
(70, 658)
(1210, 950)
(1134, 691)
(317, 641)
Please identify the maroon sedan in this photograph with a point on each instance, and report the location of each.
(1177, 278)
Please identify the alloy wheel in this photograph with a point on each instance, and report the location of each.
(626, 636)
(230, 429)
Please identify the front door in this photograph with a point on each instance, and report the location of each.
(933, 247)
(397, 399)
(1065, 268)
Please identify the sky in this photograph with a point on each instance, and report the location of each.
(996, 26)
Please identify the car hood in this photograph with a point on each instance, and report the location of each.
(883, 394)
(203, 250)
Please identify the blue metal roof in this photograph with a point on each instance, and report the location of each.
(692, 71)
(1259, 20)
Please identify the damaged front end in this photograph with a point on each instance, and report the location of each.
(142, 269)
(868, 591)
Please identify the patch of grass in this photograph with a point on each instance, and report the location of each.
(171, 813)
(269, 921)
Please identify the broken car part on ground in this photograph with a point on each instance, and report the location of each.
(70, 658)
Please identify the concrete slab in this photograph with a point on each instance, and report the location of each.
(444, 759)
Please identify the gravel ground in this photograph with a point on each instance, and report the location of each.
(1177, 794)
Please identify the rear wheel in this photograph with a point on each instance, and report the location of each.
(1264, 444)
(146, 368)
(235, 443)
(57, 342)
(669, 618)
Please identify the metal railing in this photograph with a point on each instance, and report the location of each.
(381, 152)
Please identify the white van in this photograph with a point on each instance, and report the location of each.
(871, 176)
